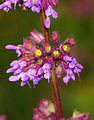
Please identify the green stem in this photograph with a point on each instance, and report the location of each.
(54, 82)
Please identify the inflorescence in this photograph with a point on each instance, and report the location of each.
(35, 6)
(46, 111)
(36, 63)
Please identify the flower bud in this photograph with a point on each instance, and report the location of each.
(36, 37)
(55, 37)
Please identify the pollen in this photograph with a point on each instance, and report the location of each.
(56, 53)
(66, 48)
(37, 52)
(48, 48)
(40, 61)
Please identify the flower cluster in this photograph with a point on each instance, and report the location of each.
(36, 63)
(79, 116)
(2, 117)
(35, 6)
(46, 111)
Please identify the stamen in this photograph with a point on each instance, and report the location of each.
(37, 52)
(66, 48)
(56, 53)
(40, 61)
(48, 48)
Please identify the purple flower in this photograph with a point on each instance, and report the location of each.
(21, 68)
(36, 37)
(35, 6)
(66, 79)
(69, 75)
(79, 116)
(47, 22)
(2, 117)
(67, 58)
(36, 63)
(45, 111)
(71, 67)
(35, 76)
(36, 9)
(27, 3)
(47, 3)
(48, 12)
(67, 46)
(47, 71)
(6, 6)
(17, 48)
(14, 2)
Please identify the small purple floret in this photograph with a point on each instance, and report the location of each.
(71, 67)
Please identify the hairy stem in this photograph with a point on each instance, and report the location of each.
(53, 80)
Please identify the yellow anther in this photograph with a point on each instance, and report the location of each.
(56, 53)
(40, 61)
(48, 48)
(37, 52)
(66, 48)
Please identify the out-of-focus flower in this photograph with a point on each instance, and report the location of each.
(81, 8)
(79, 116)
(46, 111)
(36, 63)
(2, 117)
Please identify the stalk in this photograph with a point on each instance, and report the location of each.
(45, 30)
(56, 93)
(54, 81)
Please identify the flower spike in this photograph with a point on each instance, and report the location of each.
(36, 63)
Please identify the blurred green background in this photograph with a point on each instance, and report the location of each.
(76, 17)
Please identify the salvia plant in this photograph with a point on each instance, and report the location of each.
(35, 63)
